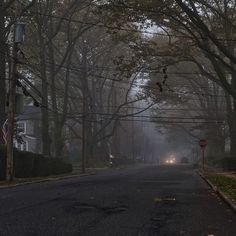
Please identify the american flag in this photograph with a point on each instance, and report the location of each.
(5, 132)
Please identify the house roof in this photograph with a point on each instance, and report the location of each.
(30, 113)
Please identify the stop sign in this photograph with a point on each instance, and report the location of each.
(202, 143)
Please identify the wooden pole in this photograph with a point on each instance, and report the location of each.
(203, 158)
(12, 100)
(11, 114)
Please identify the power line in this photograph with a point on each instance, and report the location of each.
(164, 109)
(122, 116)
(151, 117)
(80, 69)
(159, 122)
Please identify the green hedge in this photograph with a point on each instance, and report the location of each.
(28, 164)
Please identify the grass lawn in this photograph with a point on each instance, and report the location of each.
(224, 183)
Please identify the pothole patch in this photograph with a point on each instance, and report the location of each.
(114, 210)
(108, 210)
(83, 207)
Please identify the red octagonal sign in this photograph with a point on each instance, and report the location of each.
(203, 143)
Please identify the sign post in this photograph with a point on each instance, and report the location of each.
(203, 144)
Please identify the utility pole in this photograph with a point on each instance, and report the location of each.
(18, 37)
(2, 68)
(11, 113)
(203, 144)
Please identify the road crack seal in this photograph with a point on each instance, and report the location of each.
(108, 210)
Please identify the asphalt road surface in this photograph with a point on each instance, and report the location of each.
(169, 200)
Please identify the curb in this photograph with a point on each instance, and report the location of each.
(219, 192)
(49, 179)
(53, 178)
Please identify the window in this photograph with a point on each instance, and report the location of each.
(21, 146)
(21, 127)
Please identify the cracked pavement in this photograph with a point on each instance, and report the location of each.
(143, 201)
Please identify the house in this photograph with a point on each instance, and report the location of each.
(28, 127)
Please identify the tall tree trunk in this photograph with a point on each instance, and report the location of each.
(59, 143)
(60, 119)
(2, 68)
(46, 140)
(116, 137)
(233, 131)
(53, 95)
(231, 116)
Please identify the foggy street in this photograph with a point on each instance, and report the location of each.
(117, 118)
(164, 200)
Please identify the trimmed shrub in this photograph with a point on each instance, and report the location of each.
(28, 164)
